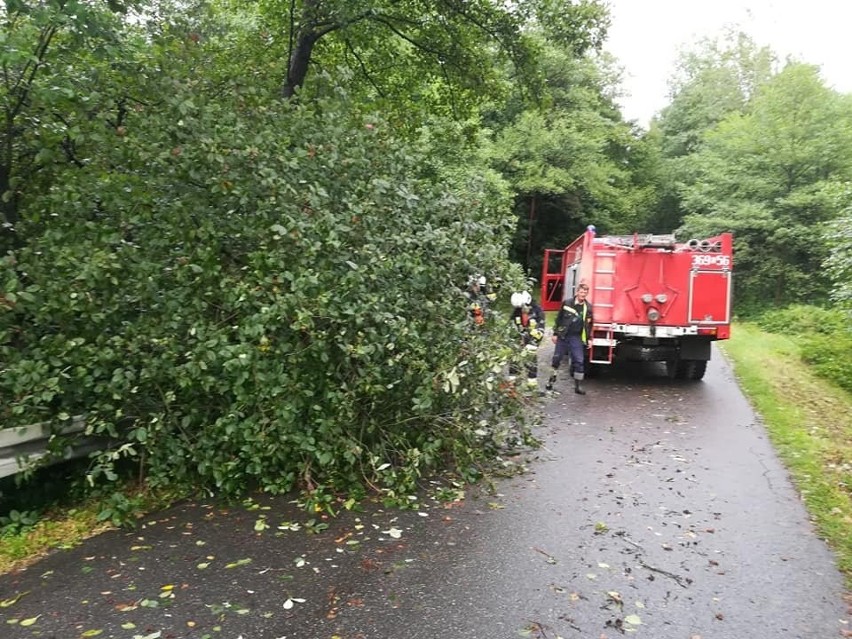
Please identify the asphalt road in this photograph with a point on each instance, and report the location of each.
(654, 508)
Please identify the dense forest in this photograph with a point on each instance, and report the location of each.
(237, 236)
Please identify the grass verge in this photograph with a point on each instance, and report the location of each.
(22, 549)
(809, 422)
(64, 527)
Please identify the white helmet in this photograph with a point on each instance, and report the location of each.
(482, 281)
(521, 299)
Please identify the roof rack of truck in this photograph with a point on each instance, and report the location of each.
(666, 242)
(639, 240)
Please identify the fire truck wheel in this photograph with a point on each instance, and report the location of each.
(692, 369)
(673, 369)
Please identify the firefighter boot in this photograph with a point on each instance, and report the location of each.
(578, 377)
(550, 381)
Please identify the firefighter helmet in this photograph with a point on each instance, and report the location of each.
(521, 299)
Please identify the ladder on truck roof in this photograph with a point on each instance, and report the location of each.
(603, 303)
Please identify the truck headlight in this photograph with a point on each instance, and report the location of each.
(647, 298)
(662, 298)
(653, 314)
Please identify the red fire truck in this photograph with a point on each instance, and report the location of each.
(654, 298)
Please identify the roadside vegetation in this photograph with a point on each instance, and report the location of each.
(806, 409)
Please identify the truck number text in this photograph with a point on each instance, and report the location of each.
(711, 260)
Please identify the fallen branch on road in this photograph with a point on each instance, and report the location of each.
(678, 580)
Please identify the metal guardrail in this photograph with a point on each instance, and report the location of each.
(23, 447)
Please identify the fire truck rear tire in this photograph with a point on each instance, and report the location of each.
(691, 369)
(673, 368)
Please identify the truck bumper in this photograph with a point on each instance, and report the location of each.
(637, 352)
(663, 350)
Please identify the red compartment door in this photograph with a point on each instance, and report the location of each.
(552, 279)
(710, 297)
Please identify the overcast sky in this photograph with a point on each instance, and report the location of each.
(646, 36)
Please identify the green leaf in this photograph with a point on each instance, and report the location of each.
(5, 603)
(240, 562)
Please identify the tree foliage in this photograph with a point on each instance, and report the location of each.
(770, 176)
(838, 264)
(55, 92)
(760, 151)
(439, 56)
(258, 298)
(569, 158)
(716, 79)
(246, 291)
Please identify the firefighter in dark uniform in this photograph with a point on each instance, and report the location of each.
(571, 333)
(528, 319)
(478, 297)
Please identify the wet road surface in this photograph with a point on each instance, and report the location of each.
(653, 509)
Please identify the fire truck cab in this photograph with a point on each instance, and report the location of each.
(653, 298)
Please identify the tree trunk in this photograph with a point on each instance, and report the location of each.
(300, 58)
(8, 212)
(530, 234)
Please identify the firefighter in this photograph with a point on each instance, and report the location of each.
(486, 289)
(571, 332)
(478, 299)
(528, 320)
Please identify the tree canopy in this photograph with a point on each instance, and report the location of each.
(771, 175)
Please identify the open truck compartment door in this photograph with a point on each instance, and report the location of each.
(552, 279)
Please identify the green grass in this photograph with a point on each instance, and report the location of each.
(63, 530)
(809, 421)
(66, 527)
